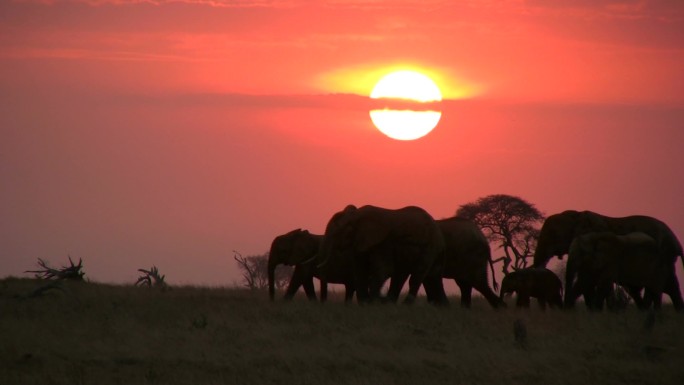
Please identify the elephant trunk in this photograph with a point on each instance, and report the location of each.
(271, 278)
(570, 287)
(542, 253)
(321, 258)
(505, 287)
(491, 267)
(574, 257)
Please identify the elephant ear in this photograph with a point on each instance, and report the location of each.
(584, 247)
(306, 247)
(289, 247)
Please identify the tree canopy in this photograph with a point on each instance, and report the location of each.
(509, 222)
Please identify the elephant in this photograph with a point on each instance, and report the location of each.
(559, 230)
(298, 248)
(374, 244)
(603, 258)
(537, 282)
(467, 255)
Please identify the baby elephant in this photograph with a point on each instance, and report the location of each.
(538, 282)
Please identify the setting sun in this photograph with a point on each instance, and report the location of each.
(407, 85)
(406, 124)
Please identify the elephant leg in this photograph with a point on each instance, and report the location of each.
(635, 293)
(654, 296)
(589, 295)
(361, 278)
(523, 300)
(542, 303)
(434, 288)
(362, 295)
(466, 294)
(414, 285)
(361, 286)
(575, 290)
(374, 288)
(491, 297)
(309, 289)
(348, 293)
(602, 292)
(556, 300)
(672, 290)
(657, 301)
(588, 289)
(641, 302)
(378, 271)
(292, 287)
(324, 290)
(396, 284)
(572, 292)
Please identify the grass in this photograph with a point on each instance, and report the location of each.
(91, 333)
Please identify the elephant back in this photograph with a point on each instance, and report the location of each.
(409, 225)
(467, 249)
(459, 232)
(665, 238)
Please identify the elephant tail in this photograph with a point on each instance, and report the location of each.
(491, 267)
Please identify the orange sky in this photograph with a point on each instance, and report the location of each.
(173, 132)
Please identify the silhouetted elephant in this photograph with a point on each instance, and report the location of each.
(376, 243)
(467, 258)
(538, 282)
(601, 259)
(559, 230)
(298, 248)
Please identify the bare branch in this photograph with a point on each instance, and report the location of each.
(71, 272)
(254, 270)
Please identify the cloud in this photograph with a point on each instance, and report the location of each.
(257, 3)
(212, 3)
(625, 9)
(86, 54)
(336, 101)
(610, 9)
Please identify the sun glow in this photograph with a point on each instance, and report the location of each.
(407, 85)
(406, 124)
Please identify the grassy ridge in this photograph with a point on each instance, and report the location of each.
(101, 334)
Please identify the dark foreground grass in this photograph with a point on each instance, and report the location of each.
(101, 334)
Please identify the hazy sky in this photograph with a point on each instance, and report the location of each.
(138, 132)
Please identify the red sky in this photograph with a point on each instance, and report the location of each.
(160, 132)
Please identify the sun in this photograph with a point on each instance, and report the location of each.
(410, 89)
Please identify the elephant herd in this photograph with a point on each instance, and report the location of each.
(637, 252)
(365, 246)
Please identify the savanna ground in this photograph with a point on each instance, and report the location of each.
(89, 333)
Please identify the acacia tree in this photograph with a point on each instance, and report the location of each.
(254, 270)
(509, 222)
